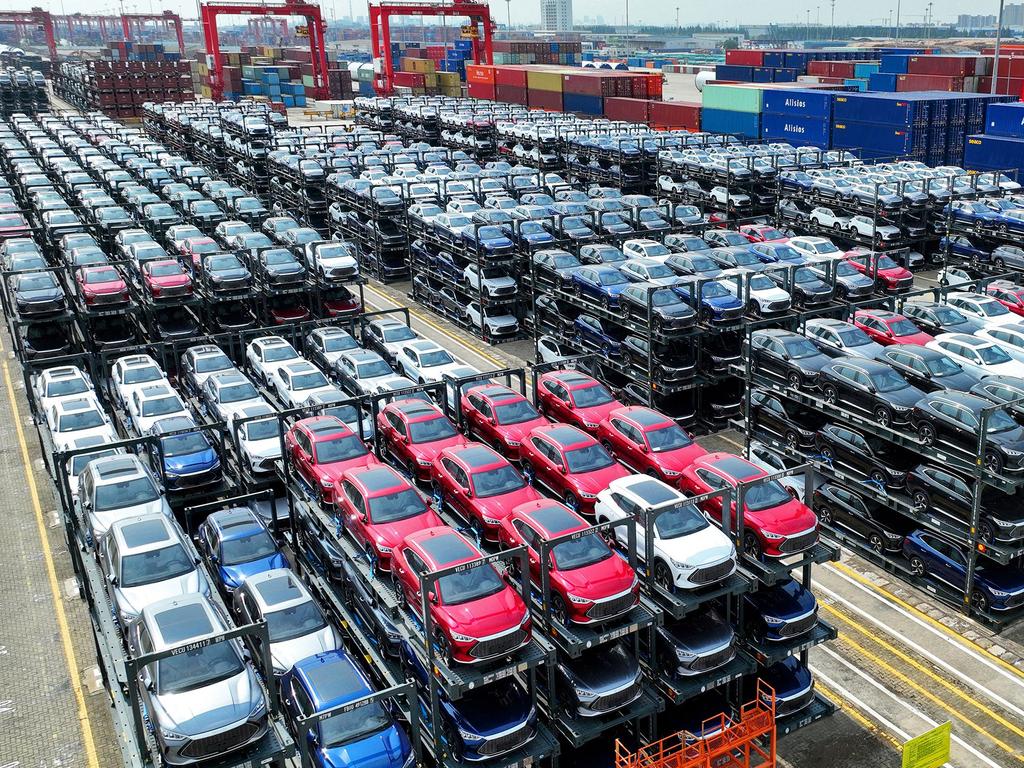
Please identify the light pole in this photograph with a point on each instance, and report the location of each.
(833, 35)
(808, 22)
(508, 8)
(898, 19)
(677, 18)
(627, 27)
(999, 40)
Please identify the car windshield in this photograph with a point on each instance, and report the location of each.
(161, 406)
(496, 482)
(514, 412)
(770, 233)
(198, 667)
(589, 458)
(659, 270)
(588, 397)
(845, 269)
(210, 363)
(435, 357)
(339, 343)
(761, 283)
(278, 257)
(72, 422)
(853, 337)
(212, 247)
(565, 261)
(734, 238)
(579, 553)
(887, 381)
(800, 349)
(276, 354)
(531, 228)
(38, 282)
(165, 269)
(399, 505)
(341, 448)
(668, 438)
(714, 291)
(373, 369)
(429, 430)
(238, 392)
(80, 462)
(904, 327)
(127, 493)
(475, 583)
(804, 275)
(294, 621)
(942, 366)
(490, 233)
(155, 565)
(70, 386)
(679, 520)
(612, 278)
(765, 495)
(458, 221)
(1001, 421)
(101, 276)
(884, 262)
(992, 355)
(310, 380)
(261, 429)
(254, 546)
(344, 727)
(185, 444)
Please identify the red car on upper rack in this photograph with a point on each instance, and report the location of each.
(476, 615)
(481, 486)
(379, 508)
(500, 417)
(763, 233)
(414, 433)
(648, 441)
(194, 248)
(885, 327)
(574, 398)
(890, 274)
(775, 524)
(320, 449)
(589, 582)
(1010, 295)
(571, 463)
(101, 285)
(166, 278)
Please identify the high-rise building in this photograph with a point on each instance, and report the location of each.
(966, 21)
(1013, 15)
(556, 15)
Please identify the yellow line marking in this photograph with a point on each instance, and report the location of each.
(924, 670)
(930, 696)
(857, 716)
(925, 617)
(51, 572)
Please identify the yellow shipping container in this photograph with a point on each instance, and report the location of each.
(544, 81)
(425, 66)
(452, 90)
(206, 92)
(447, 79)
(430, 80)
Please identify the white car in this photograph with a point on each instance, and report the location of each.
(152, 403)
(327, 344)
(865, 226)
(980, 357)
(826, 217)
(956, 278)
(988, 310)
(55, 384)
(723, 196)
(837, 336)
(133, 372)
(771, 462)
(813, 246)
(397, 384)
(689, 551)
(226, 393)
(1009, 337)
(643, 248)
(77, 464)
(258, 440)
(360, 370)
(499, 322)
(76, 418)
(550, 350)
(492, 282)
(332, 260)
(764, 297)
(668, 184)
(649, 271)
(387, 336)
(202, 361)
(268, 353)
(425, 361)
(297, 381)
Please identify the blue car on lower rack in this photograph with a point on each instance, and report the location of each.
(238, 545)
(716, 303)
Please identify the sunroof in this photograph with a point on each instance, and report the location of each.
(555, 519)
(379, 479)
(183, 622)
(654, 492)
(144, 532)
(737, 468)
(477, 456)
(334, 678)
(279, 590)
(447, 549)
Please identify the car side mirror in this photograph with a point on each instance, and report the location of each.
(562, 469)
(214, 559)
(113, 581)
(363, 518)
(432, 597)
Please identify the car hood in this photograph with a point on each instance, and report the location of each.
(336, 469)
(784, 601)
(169, 281)
(596, 481)
(1002, 578)
(393, 534)
(611, 576)
(193, 462)
(284, 655)
(488, 616)
(906, 397)
(384, 749)
(230, 273)
(478, 714)
(518, 432)
(704, 633)
(787, 518)
(961, 382)
(233, 575)
(134, 599)
(914, 338)
(263, 449)
(101, 521)
(500, 507)
(210, 707)
(704, 547)
(605, 670)
(42, 294)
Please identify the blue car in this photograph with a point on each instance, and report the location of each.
(592, 331)
(777, 253)
(575, 229)
(366, 737)
(996, 587)
(780, 612)
(485, 722)
(529, 234)
(237, 544)
(792, 683)
(600, 282)
(189, 459)
(964, 246)
(717, 304)
(974, 215)
(795, 181)
(490, 240)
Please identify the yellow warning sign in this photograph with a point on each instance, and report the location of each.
(929, 750)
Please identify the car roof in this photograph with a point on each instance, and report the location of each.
(642, 416)
(377, 479)
(112, 468)
(176, 620)
(321, 426)
(476, 456)
(234, 521)
(277, 588)
(143, 533)
(442, 546)
(564, 435)
(554, 519)
(332, 678)
(415, 410)
(735, 467)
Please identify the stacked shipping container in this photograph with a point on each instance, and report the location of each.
(1001, 146)
(283, 75)
(120, 88)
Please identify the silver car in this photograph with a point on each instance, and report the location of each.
(118, 487)
(297, 627)
(836, 337)
(205, 700)
(146, 559)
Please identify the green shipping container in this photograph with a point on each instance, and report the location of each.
(544, 81)
(734, 98)
(307, 80)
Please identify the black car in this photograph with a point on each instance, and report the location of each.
(720, 352)
(934, 318)
(937, 490)
(955, 418)
(225, 273)
(278, 266)
(806, 287)
(427, 290)
(661, 306)
(37, 293)
(385, 234)
(550, 312)
(604, 678)
(673, 364)
(878, 460)
(231, 317)
(1001, 389)
(787, 355)
(882, 528)
(112, 332)
(555, 266)
(795, 424)
(927, 369)
(868, 385)
(40, 340)
(694, 645)
(780, 612)
(176, 323)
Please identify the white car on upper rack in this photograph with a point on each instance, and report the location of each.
(76, 418)
(55, 384)
(981, 357)
(988, 310)
(152, 403)
(259, 440)
(133, 372)
(297, 381)
(764, 296)
(425, 361)
(268, 353)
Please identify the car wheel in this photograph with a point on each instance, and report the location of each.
(444, 645)
(794, 379)
(985, 532)
(753, 308)
(559, 611)
(876, 543)
(877, 476)
(752, 546)
(828, 454)
(993, 462)
(607, 303)
(999, 263)
(917, 566)
(830, 393)
(979, 601)
(884, 416)
(476, 527)
(793, 440)
(926, 433)
(824, 513)
(455, 746)
(663, 576)
(570, 500)
(410, 470)
(920, 500)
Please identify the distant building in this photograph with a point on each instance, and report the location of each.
(966, 21)
(1013, 15)
(556, 15)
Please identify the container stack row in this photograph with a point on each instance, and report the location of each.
(122, 50)
(120, 88)
(283, 75)
(830, 67)
(562, 52)
(1001, 145)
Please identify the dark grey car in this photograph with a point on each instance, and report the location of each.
(604, 678)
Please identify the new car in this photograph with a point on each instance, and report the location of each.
(604, 678)
(186, 454)
(556, 267)
(717, 304)
(837, 337)
(881, 268)
(882, 528)
(928, 369)
(323, 346)
(885, 327)
(359, 371)
(868, 385)
(425, 361)
(977, 355)
(648, 441)
(884, 464)
(237, 544)
(151, 403)
(780, 612)
(225, 394)
(37, 294)
(934, 318)
(695, 645)
(500, 417)
(783, 419)
(602, 283)
(320, 449)
(787, 355)
(955, 418)
(574, 398)
(166, 279)
(665, 310)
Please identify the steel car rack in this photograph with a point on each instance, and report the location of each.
(677, 689)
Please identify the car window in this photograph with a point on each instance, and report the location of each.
(527, 533)
(626, 505)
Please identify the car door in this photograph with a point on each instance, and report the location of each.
(302, 456)
(953, 565)
(529, 538)
(455, 486)
(621, 508)
(713, 482)
(480, 417)
(354, 512)
(557, 402)
(410, 580)
(551, 466)
(395, 434)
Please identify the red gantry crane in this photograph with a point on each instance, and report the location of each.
(35, 19)
(314, 25)
(129, 26)
(269, 28)
(132, 24)
(380, 32)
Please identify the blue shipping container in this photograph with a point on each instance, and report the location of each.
(745, 124)
(865, 70)
(798, 101)
(882, 81)
(896, 63)
(994, 153)
(856, 83)
(775, 59)
(796, 130)
(734, 72)
(783, 75)
(797, 60)
(892, 109)
(880, 140)
(761, 75)
(587, 105)
(1005, 120)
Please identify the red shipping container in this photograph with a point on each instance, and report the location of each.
(634, 110)
(480, 73)
(588, 84)
(510, 75)
(655, 85)
(842, 69)
(1012, 66)
(1009, 86)
(410, 79)
(949, 65)
(917, 82)
(544, 100)
(510, 94)
(745, 58)
(481, 91)
(818, 68)
(675, 114)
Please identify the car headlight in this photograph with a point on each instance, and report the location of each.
(327, 483)
(901, 408)
(684, 655)
(681, 564)
(168, 735)
(383, 549)
(461, 638)
(773, 620)
(590, 425)
(585, 495)
(490, 520)
(583, 692)
(773, 536)
(259, 707)
(670, 472)
(579, 600)
(469, 735)
(512, 443)
(1010, 452)
(423, 462)
(999, 593)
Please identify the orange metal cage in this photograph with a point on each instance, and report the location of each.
(747, 741)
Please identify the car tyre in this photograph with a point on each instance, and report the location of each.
(920, 500)
(444, 646)
(570, 500)
(876, 543)
(663, 576)
(752, 546)
(926, 433)
(830, 394)
(559, 611)
(877, 476)
(795, 380)
(825, 516)
(993, 462)
(917, 566)
(979, 601)
(884, 416)
(986, 532)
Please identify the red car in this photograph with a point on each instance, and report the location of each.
(1010, 295)
(775, 524)
(195, 248)
(648, 441)
(481, 486)
(340, 301)
(321, 449)
(101, 285)
(571, 463)
(887, 327)
(589, 582)
(574, 398)
(288, 311)
(166, 278)
(475, 614)
(763, 233)
(500, 417)
(414, 433)
(890, 274)
(379, 508)
(14, 225)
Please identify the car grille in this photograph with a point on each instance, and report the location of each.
(798, 626)
(712, 573)
(799, 542)
(778, 306)
(730, 314)
(343, 271)
(197, 478)
(508, 290)
(713, 660)
(789, 706)
(1013, 601)
(612, 607)
(507, 741)
(498, 646)
(175, 290)
(906, 282)
(615, 700)
(108, 298)
(211, 746)
(230, 285)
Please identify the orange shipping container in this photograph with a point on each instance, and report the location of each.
(479, 73)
